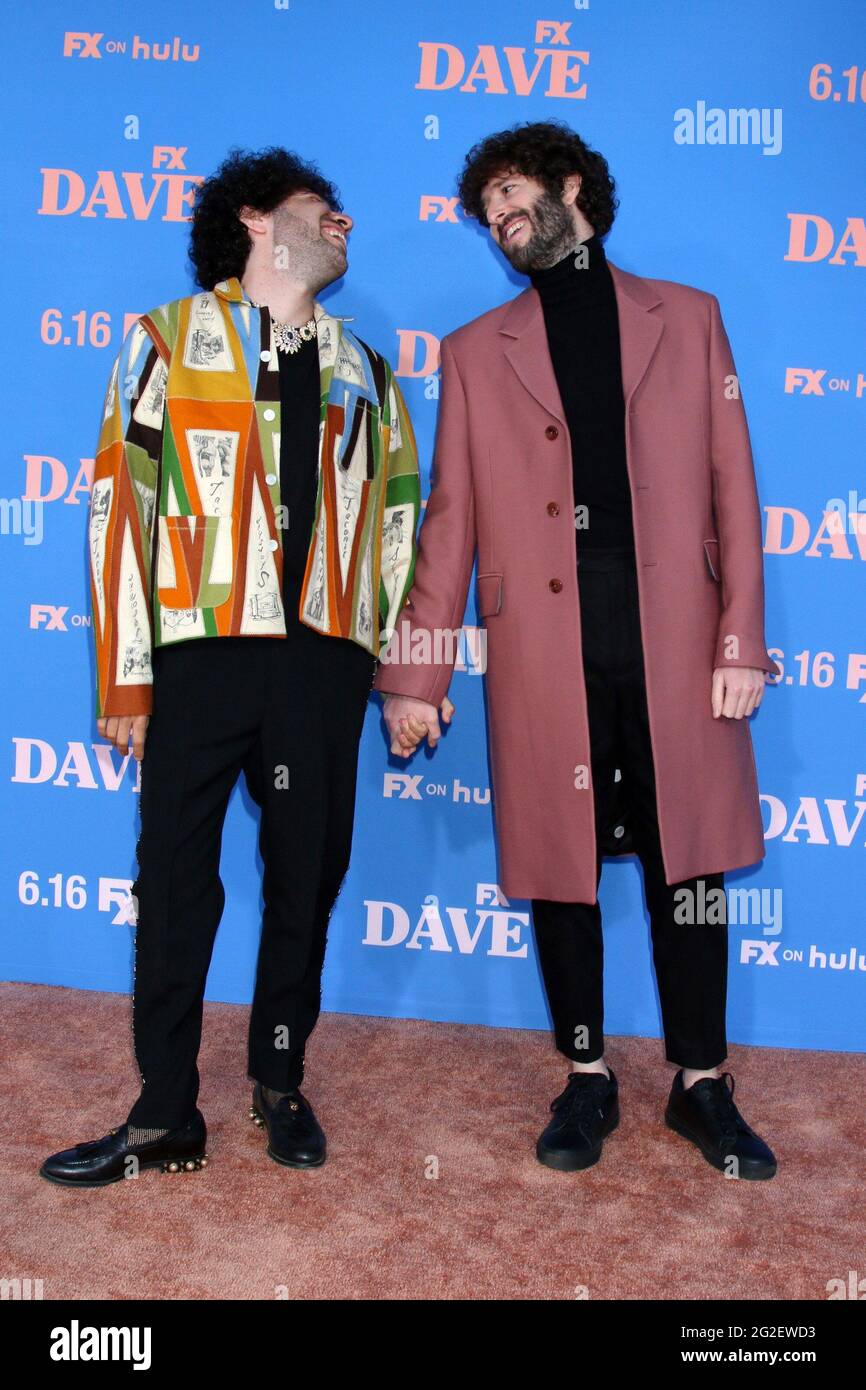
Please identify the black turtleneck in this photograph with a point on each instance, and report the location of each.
(582, 324)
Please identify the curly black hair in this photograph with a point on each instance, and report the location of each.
(547, 151)
(219, 241)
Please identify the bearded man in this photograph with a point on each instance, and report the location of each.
(593, 452)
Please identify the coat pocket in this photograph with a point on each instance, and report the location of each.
(711, 551)
(489, 595)
(195, 561)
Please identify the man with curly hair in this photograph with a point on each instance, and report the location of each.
(252, 539)
(591, 430)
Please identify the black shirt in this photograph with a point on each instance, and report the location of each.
(299, 463)
(582, 325)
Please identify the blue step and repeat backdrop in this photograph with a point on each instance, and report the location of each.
(735, 132)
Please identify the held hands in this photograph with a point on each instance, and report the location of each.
(118, 727)
(408, 720)
(737, 691)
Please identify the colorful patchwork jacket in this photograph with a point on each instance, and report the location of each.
(185, 523)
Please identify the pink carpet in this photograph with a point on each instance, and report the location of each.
(399, 1101)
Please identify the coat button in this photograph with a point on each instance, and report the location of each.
(555, 586)
(552, 432)
(265, 354)
(268, 414)
(553, 508)
(272, 544)
(270, 478)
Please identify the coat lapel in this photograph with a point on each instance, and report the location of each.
(528, 353)
(639, 331)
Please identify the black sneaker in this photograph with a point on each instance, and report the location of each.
(585, 1113)
(295, 1137)
(99, 1162)
(705, 1114)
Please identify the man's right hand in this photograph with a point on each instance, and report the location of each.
(408, 720)
(118, 727)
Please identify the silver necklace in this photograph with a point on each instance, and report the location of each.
(287, 336)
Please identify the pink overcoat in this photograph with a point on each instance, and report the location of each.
(502, 487)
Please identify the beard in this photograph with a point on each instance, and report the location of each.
(313, 259)
(552, 235)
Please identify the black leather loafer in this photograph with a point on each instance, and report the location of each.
(99, 1162)
(705, 1114)
(295, 1137)
(583, 1115)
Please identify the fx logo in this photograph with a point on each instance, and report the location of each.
(117, 892)
(88, 43)
(403, 785)
(808, 381)
(763, 952)
(169, 155)
(552, 30)
(431, 201)
(43, 615)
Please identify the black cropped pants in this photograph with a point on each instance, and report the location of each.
(690, 958)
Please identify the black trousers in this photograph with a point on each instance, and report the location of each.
(690, 957)
(288, 713)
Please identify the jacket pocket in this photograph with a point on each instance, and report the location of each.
(195, 561)
(489, 595)
(711, 551)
